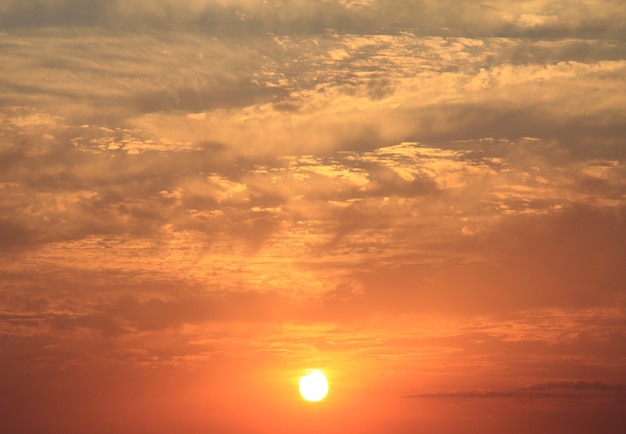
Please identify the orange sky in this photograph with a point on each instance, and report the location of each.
(201, 200)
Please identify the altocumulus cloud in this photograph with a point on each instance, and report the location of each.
(390, 184)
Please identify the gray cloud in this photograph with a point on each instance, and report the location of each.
(576, 385)
(535, 19)
(562, 390)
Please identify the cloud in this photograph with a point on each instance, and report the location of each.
(550, 18)
(428, 195)
(496, 204)
(558, 390)
(514, 266)
(577, 385)
(288, 87)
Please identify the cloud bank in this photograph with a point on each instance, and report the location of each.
(426, 198)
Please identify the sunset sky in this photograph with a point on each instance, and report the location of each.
(201, 200)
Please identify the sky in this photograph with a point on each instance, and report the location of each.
(202, 200)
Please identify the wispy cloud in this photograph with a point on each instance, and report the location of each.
(428, 198)
(561, 390)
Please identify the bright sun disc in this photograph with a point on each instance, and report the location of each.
(313, 386)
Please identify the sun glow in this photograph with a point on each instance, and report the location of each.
(314, 386)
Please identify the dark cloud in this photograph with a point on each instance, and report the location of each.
(36, 13)
(15, 235)
(565, 390)
(575, 385)
(547, 19)
(380, 88)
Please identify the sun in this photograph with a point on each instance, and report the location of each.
(313, 386)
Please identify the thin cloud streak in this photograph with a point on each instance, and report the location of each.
(577, 390)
